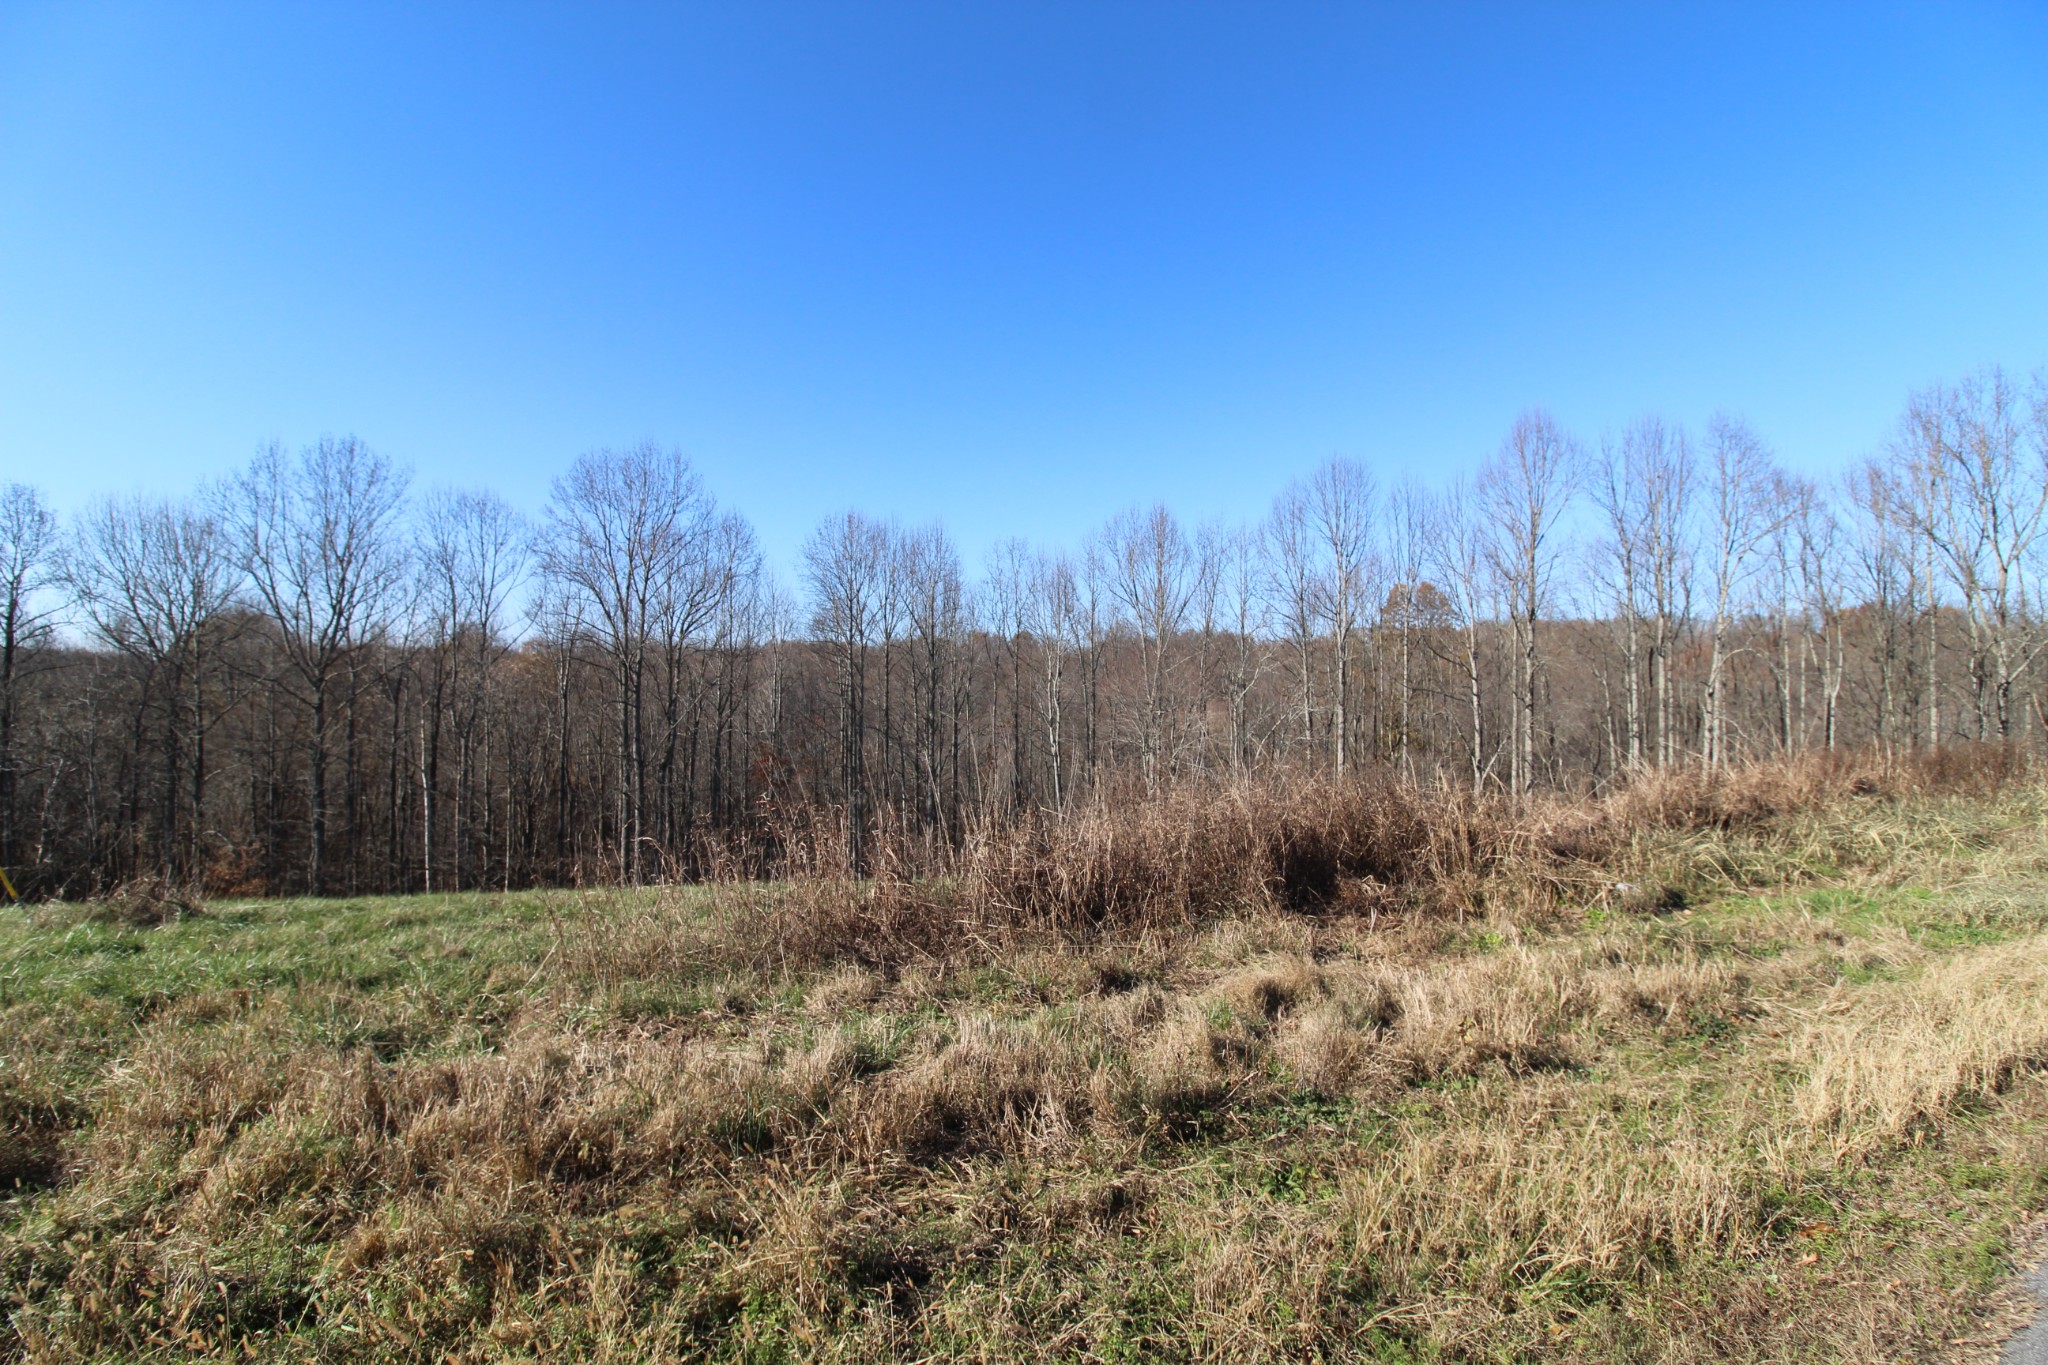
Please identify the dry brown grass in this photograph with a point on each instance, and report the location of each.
(1892, 1062)
(1246, 1076)
(147, 901)
(1128, 865)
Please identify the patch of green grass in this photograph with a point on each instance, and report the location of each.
(439, 944)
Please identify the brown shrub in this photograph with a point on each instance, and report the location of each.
(1129, 865)
(146, 901)
(1195, 852)
(1373, 843)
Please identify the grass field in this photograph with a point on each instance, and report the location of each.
(1754, 1089)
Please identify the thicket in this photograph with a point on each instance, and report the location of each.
(305, 679)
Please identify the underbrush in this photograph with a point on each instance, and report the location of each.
(1734, 1069)
(1130, 865)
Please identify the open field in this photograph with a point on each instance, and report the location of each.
(1744, 1071)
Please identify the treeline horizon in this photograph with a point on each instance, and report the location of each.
(303, 679)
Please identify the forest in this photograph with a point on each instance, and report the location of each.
(309, 679)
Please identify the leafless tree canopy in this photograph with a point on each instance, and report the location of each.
(306, 679)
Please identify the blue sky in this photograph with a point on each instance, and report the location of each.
(1014, 266)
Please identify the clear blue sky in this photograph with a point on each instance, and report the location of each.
(1012, 265)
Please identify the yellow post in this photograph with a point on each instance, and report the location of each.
(12, 894)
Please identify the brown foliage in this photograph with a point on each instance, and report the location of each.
(1369, 845)
(147, 901)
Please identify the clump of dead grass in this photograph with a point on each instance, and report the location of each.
(146, 901)
(1891, 1064)
(1130, 864)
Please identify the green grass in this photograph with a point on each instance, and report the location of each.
(445, 945)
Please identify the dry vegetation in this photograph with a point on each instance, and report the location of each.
(1744, 1069)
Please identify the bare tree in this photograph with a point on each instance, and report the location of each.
(742, 635)
(891, 624)
(1824, 582)
(623, 528)
(154, 578)
(1780, 595)
(1287, 546)
(1342, 504)
(1407, 546)
(1198, 746)
(1526, 488)
(934, 602)
(555, 616)
(473, 554)
(1005, 603)
(1641, 485)
(844, 562)
(1096, 621)
(1747, 508)
(1883, 575)
(1244, 614)
(28, 564)
(318, 543)
(662, 705)
(1981, 457)
(1152, 578)
(1916, 484)
(714, 558)
(1053, 616)
(1670, 546)
(1457, 555)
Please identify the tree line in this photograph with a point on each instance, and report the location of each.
(305, 679)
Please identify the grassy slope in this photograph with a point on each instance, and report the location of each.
(1796, 1120)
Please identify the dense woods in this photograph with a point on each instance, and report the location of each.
(308, 679)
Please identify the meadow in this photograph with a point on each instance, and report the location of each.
(1742, 1068)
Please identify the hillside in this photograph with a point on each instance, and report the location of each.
(1738, 1070)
